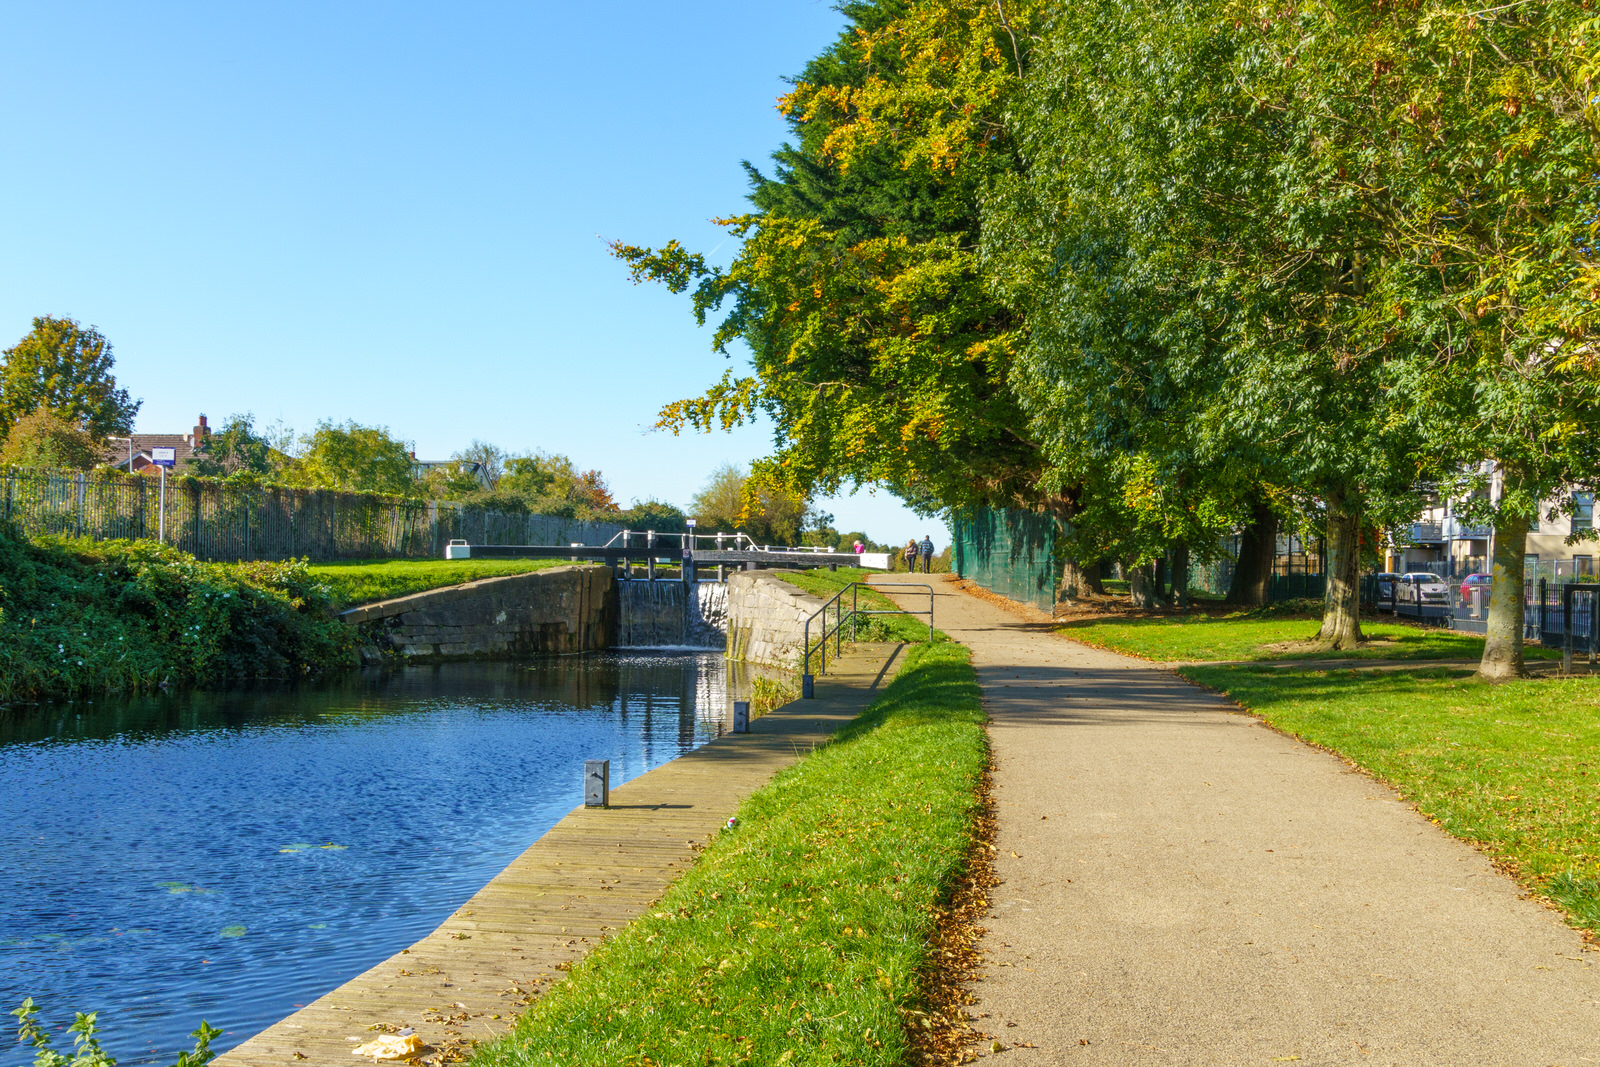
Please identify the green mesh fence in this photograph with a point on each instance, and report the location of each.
(1008, 552)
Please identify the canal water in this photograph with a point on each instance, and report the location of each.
(233, 856)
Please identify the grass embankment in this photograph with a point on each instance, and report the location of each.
(78, 617)
(798, 936)
(363, 581)
(1512, 768)
(825, 583)
(1253, 635)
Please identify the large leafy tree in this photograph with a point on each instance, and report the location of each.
(730, 500)
(66, 367)
(351, 456)
(555, 484)
(877, 349)
(1470, 135)
(233, 448)
(43, 438)
(1188, 281)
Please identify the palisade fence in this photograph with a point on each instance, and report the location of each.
(226, 523)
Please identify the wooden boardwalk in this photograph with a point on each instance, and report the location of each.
(593, 872)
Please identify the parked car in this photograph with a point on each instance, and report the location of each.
(1423, 587)
(1482, 581)
(1386, 585)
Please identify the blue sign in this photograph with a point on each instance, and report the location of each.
(164, 457)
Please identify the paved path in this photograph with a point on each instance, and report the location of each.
(1183, 885)
(591, 873)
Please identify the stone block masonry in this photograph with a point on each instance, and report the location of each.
(563, 609)
(766, 619)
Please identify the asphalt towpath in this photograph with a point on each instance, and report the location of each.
(1180, 884)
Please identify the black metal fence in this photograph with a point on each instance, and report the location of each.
(220, 522)
(1462, 603)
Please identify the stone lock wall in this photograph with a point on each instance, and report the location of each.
(766, 619)
(564, 609)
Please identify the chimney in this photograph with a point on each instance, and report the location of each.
(201, 432)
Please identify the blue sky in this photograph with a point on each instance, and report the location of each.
(398, 213)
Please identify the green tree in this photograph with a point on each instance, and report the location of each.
(233, 448)
(655, 515)
(63, 366)
(1192, 286)
(878, 352)
(354, 457)
(545, 477)
(732, 500)
(1470, 135)
(44, 438)
(490, 460)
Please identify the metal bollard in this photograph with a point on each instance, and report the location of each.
(597, 783)
(741, 716)
(808, 686)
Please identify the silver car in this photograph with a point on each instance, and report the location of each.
(1423, 587)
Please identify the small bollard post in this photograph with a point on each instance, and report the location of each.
(741, 716)
(808, 686)
(597, 783)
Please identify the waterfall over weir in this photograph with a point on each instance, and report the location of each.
(672, 615)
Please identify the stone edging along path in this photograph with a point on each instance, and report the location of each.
(593, 872)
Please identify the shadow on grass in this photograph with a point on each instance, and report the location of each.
(1261, 636)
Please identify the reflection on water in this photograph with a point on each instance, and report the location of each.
(235, 855)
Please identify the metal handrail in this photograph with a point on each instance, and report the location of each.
(807, 679)
(684, 540)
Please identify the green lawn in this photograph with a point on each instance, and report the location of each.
(363, 581)
(1243, 636)
(798, 936)
(825, 583)
(1514, 768)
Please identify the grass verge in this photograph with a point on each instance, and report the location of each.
(825, 584)
(1250, 635)
(802, 934)
(363, 581)
(1513, 768)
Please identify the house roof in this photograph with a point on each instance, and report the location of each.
(140, 444)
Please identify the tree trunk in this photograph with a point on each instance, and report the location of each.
(1258, 548)
(1341, 611)
(1092, 575)
(1159, 582)
(1502, 646)
(1180, 575)
(1140, 581)
(1074, 581)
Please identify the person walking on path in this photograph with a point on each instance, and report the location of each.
(911, 555)
(1181, 884)
(927, 554)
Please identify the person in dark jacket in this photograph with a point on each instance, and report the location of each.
(926, 548)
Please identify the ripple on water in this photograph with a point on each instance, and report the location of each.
(233, 856)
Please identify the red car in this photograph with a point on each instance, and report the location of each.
(1482, 581)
